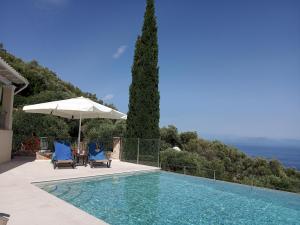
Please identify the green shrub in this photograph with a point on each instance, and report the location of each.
(176, 161)
(170, 135)
(229, 163)
(103, 129)
(24, 124)
(186, 137)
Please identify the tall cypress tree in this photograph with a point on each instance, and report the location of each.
(143, 115)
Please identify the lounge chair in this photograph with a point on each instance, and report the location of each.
(97, 155)
(62, 155)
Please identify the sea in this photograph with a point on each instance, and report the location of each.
(289, 156)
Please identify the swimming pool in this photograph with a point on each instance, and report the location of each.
(169, 198)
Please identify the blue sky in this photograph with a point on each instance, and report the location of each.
(226, 67)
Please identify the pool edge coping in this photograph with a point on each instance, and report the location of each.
(35, 183)
(233, 183)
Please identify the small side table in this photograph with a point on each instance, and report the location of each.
(81, 159)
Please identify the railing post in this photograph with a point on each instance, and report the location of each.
(214, 175)
(138, 151)
(158, 151)
(184, 170)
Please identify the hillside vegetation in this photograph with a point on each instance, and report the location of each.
(201, 158)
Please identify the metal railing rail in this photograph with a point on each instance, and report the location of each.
(141, 151)
(185, 167)
(252, 183)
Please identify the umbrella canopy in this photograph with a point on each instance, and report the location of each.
(75, 108)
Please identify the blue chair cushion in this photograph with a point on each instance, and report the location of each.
(62, 151)
(96, 152)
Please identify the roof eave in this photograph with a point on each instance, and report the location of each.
(12, 72)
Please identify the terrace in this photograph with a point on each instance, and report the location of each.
(28, 204)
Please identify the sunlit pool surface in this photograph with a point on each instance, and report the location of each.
(168, 198)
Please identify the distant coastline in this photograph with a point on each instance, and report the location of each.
(289, 156)
(287, 151)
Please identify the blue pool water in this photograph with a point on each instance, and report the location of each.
(167, 198)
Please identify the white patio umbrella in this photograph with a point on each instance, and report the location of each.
(75, 108)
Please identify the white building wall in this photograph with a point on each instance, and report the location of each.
(6, 132)
(5, 145)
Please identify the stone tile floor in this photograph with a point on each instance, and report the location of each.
(29, 205)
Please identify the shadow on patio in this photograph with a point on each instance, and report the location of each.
(15, 162)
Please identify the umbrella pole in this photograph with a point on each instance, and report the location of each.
(79, 132)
